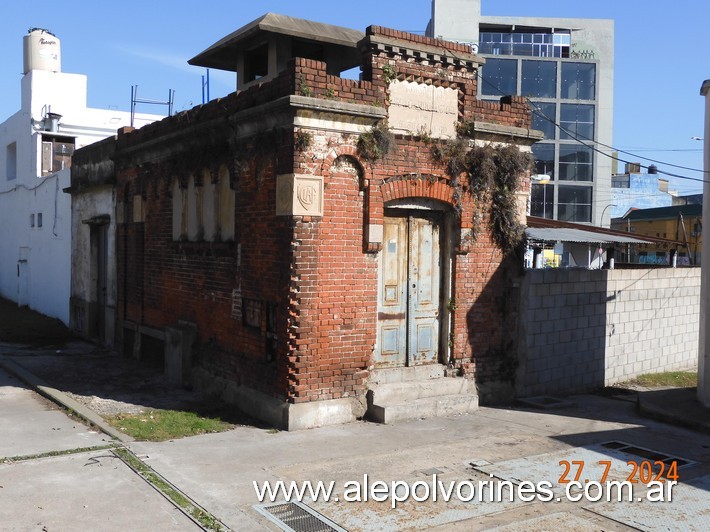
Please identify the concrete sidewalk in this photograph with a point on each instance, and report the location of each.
(57, 474)
(678, 406)
(218, 470)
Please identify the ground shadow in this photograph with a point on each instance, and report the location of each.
(111, 384)
(20, 325)
(99, 378)
(649, 438)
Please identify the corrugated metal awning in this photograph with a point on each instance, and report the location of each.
(564, 234)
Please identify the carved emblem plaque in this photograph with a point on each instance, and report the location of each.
(299, 195)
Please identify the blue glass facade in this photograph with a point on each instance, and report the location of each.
(563, 94)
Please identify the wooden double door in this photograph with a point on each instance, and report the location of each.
(410, 290)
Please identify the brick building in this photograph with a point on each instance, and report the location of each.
(272, 248)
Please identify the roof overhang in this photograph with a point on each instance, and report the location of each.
(222, 55)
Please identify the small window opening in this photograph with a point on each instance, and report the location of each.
(56, 153)
(256, 63)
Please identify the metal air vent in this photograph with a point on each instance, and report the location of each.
(297, 517)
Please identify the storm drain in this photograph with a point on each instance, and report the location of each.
(297, 517)
(648, 454)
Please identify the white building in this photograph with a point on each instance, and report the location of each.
(36, 145)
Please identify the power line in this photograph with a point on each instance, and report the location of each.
(540, 113)
(537, 111)
(667, 150)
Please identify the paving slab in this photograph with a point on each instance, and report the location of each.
(688, 511)
(30, 424)
(218, 470)
(87, 491)
(676, 405)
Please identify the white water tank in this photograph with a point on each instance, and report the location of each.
(41, 51)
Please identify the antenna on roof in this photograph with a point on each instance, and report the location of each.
(206, 86)
(135, 100)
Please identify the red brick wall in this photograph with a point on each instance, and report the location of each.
(336, 309)
(162, 282)
(315, 272)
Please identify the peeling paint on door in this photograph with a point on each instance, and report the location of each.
(410, 281)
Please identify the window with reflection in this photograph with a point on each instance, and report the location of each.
(539, 79)
(500, 77)
(525, 44)
(577, 121)
(544, 118)
(576, 162)
(574, 204)
(578, 81)
(542, 199)
(544, 154)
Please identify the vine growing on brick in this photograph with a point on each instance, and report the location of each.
(376, 143)
(493, 174)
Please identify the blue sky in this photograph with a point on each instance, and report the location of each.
(661, 55)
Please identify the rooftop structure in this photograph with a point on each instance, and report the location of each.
(637, 190)
(258, 51)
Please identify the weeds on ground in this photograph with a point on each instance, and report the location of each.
(161, 425)
(204, 518)
(670, 379)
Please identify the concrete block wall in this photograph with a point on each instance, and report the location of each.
(584, 329)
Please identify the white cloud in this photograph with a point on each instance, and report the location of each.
(169, 59)
(219, 80)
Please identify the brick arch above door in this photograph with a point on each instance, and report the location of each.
(416, 186)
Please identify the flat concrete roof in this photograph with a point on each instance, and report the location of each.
(540, 23)
(222, 55)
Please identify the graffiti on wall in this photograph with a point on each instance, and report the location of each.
(581, 50)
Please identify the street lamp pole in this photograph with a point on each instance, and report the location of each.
(601, 220)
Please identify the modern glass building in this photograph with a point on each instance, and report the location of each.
(565, 67)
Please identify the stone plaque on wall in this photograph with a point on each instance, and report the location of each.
(417, 107)
(299, 195)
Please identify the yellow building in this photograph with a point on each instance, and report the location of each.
(681, 225)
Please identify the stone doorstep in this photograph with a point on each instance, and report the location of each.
(427, 407)
(398, 392)
(415, 373)
(400, 397)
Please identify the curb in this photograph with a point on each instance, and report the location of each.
(62, 399)
(653, 411)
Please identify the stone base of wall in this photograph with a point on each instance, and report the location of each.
(496, 393)
(275, 412)
(83, 321)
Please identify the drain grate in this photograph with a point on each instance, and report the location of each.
(649, 454)
(297, 517)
